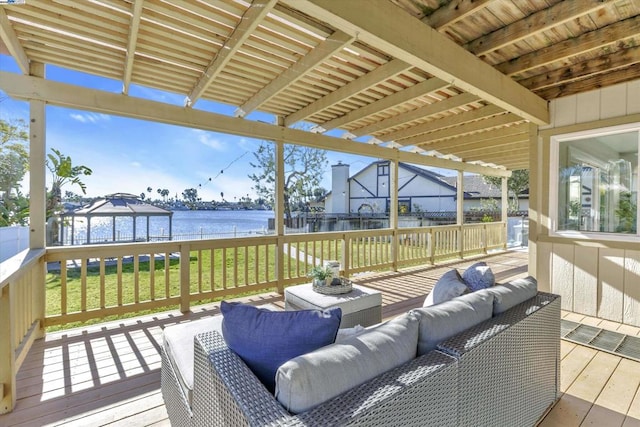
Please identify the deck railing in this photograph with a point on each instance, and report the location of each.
(22, 281)
(95, 281)
(91, 282)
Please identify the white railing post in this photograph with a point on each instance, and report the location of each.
(185, 277)
(393, 211)
(346, 254)
(485, 235)
(279, 210)
(7, 351)
(460, 212)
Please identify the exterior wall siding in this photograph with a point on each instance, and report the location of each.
(595, 277)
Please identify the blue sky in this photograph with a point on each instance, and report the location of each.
(129, 155)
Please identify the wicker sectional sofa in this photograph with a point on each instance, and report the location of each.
(503, 370)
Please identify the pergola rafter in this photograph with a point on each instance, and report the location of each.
(250, 20)
(10, 40)
(131, 44)
(417, 43)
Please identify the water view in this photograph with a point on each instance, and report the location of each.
(186, 225)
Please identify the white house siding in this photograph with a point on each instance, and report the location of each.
(13, 240)
(366, 188)
(435, 196)
(595, 277)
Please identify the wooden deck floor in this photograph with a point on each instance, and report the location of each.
(109, 374)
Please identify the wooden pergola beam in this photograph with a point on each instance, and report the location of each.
(501, 149)
(256, 12)
(515, 156)
(600, 80)
(82, 98)
(460, 145)
(378, 75)
(131, 45)
(603, 64)
(392, 30)
(424, 130)
(327, 48)
(11, 41)
(597, 39)
(484, 137)
(419, 113)
(533, 24)
(409, 94)
(453, 12)
(424, 140)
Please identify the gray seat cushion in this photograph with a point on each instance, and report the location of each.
(313, 378)
(441, 321)
(178, 344)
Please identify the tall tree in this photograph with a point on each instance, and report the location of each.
(517, 184)
(303, 172)
(14, 161)
(190, 197)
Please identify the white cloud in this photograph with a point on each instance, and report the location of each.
(209, 140)
(90, 117)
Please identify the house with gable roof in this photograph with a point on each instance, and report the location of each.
(419, 190)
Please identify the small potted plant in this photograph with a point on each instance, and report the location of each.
(320, 275)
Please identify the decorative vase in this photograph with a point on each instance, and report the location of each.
(319, 282)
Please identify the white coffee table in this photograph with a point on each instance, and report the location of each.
(362, 306)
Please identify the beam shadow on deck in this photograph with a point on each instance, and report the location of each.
(109, 373)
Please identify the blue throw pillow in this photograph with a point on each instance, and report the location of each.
(449, 286)
(266, 339)
(479, 276)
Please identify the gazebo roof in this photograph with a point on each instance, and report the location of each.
(119, 204)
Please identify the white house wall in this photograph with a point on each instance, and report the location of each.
(594, 277)
(363, 187)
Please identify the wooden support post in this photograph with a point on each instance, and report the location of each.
(393, 211)
(279, 211)
(37, 167)
(185, 277)
(37, 194)
(534, 198)
(505, 211)
(460, 212)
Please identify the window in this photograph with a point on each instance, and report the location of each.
(596, 176)
(383, 170)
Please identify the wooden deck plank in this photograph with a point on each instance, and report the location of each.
(109, 373)
(573, 364)
(615, 398)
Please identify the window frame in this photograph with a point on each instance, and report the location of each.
(554, 164)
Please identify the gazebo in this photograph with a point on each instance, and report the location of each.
(115, 205)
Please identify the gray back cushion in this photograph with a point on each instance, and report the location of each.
(449, 286)
(313, 378)
(441, 321)
(513, 293)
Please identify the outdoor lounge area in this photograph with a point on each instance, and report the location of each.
(109, 374)
(483, 87)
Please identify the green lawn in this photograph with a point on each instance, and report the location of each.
(200, 277)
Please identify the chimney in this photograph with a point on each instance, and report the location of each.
(339, 189)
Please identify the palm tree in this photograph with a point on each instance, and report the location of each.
(62, 172)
